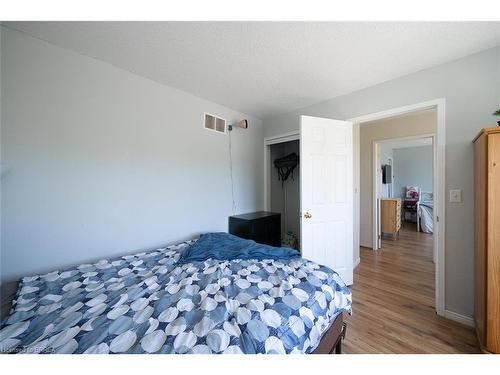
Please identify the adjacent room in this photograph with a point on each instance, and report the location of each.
(405, 180)
(247, 187)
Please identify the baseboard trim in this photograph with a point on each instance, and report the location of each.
(466, 320)
(356, 263)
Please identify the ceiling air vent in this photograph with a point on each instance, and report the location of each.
(215, 123)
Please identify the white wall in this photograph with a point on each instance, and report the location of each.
(471, 87)
(101, 162)
(413, 166)
(1, 163)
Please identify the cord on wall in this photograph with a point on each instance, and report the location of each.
(231, 174)
(241, 124)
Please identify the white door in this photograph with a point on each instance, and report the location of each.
(326, 178)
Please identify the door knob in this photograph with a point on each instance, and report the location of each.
(307, 215)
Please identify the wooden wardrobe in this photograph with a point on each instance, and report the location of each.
(487, 239)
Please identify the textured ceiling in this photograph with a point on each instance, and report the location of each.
(267, 68)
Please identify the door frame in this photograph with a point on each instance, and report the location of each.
(439, 182)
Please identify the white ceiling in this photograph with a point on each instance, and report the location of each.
(267, 68)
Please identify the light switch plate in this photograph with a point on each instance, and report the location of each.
(455, 196)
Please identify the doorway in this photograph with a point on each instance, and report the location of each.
(366, 216)
(277, 195)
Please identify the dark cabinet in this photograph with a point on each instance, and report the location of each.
(262, 227)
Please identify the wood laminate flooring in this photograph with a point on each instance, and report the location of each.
(393, 302)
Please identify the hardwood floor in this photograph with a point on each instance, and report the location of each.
(393, 302)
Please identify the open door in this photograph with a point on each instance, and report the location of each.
(326, 196)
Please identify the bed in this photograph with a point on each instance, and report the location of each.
(425, 213)
(172, 300)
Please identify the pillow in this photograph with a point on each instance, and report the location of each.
(412, 192)
(426, 196)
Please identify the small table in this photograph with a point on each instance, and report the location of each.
(410, 205)
(261, 226)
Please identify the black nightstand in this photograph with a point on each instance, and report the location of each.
(262, 227)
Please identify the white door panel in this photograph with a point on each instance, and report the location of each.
(326, 151)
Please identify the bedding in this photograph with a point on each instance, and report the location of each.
(426, 216)
(152, 303)
(425, 212)
(225, 246)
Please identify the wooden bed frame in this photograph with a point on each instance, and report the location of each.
(331, 342)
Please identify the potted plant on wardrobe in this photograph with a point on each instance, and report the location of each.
(497, 113)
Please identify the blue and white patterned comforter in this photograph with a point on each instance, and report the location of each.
(146, 303)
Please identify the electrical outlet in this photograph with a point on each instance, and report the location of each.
(455, 196)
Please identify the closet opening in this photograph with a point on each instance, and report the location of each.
(283, 188)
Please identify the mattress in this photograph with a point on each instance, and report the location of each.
(150, 303)
(426, 216)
